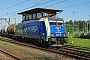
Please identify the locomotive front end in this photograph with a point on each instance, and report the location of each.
(58, 33)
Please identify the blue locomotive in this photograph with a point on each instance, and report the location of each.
(50, 30)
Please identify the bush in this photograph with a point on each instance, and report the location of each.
(76, 34)
(88, 36)
(82, 35)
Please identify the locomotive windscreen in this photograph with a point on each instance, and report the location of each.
(56, 21)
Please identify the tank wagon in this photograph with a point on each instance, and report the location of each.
(11, 29)
(3, 30)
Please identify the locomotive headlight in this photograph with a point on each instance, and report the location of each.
(52, 34)
(43, 34)
(63, 34)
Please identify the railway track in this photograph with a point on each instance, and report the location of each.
(73, 51)
(8, 56)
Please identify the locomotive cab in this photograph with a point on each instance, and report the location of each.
(58, 31)
(54, 30)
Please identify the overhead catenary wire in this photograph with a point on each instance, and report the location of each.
(14, 5)
(76, 5)
(56, 3)
(36, 4)
(30, 7)
(51, 5)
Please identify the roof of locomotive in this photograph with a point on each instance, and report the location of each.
(58, 19)
(39, 10)
(50, 19)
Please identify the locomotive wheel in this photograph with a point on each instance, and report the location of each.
(40, 41)
(50, 41)
(61, 42)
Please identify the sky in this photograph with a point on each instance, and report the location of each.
(81, 8)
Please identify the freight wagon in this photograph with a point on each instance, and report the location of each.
(11, 29)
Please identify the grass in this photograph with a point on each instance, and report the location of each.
(26, 52)
(5, 38)
(78, 41)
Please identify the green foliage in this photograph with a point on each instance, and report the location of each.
(4, 43)
(80, 25)
(69, 29)
(79, 41)
(76, 34)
